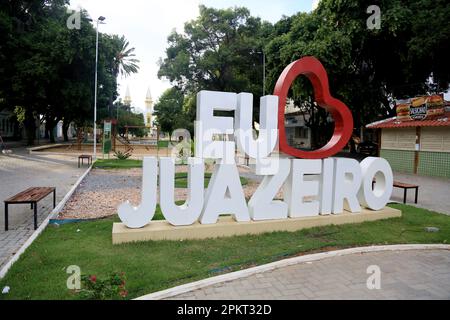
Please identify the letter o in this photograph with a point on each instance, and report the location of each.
(376, 198)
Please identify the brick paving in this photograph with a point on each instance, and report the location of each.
(433, 192)
(422, 274)
(19, 171)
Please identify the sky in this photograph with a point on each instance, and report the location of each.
(147, 23)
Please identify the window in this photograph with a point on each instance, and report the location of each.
(301, 133)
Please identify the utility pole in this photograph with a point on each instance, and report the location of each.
(99, 20)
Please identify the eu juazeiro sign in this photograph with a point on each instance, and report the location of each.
(334, 184)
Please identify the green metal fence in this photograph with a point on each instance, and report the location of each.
(436, 164)
(400, 160)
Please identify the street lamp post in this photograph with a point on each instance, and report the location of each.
(264, 70)
(264, 73)
(99, 21)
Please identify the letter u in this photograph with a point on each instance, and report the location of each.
(189, 212)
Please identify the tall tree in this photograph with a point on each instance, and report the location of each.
(169, 110)
(220, 50)
(125, 61)
(368, 68)
(28, 36)
(47, 69)
(127, 116)
(122, 61)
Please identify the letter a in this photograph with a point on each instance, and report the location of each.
(225, 196)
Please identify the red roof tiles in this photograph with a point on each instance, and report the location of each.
(437, 121)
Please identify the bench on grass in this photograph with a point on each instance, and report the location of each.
(30, 196)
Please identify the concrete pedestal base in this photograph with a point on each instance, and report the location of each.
(227, 227)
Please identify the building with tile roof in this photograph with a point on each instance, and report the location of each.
(416, 146)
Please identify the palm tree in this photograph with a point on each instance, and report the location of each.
(125, 62)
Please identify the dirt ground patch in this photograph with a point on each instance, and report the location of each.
(102, 191)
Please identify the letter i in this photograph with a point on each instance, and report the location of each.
(326, 187)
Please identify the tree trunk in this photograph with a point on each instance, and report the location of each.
(48, 129)
(314, 137)
(52, 136)
(79, 137)
(52, 122)
(30, 127)
(65, 128)
(47, 133)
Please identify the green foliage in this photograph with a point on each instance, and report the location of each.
(126, 116)
(111, 288)
(48, 69)
(19, 112)
(220, 50)
(367, 68)
(122, 155)
(181, 180)
(169, 111)
(163, 144)
(125, 62)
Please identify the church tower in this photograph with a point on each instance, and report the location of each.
(149, 120)
(127, 100)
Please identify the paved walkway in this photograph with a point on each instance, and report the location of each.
(408, 275)
(20, 171)
(433, 192)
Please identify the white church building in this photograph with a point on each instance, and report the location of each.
(150, 119)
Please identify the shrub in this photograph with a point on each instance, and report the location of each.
(111, 288)
(122, 155)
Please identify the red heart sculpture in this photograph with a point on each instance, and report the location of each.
(316, 73)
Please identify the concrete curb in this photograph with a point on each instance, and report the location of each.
(38, 148)
(172, 292)
(43, 225)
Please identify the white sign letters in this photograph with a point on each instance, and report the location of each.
(310, 187)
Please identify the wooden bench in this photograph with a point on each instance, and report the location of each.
(82, 157)
(30, 196)
(406, 187)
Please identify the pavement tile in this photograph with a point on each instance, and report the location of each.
(410, 278)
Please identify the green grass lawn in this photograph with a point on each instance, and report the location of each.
(41, 272)
(163, 144)
(117, 164)
(181, 180)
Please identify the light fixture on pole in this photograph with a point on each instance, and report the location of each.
(99, 21)
(264, 70)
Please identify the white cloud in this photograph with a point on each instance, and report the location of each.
(315, 4)
(146, 24)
